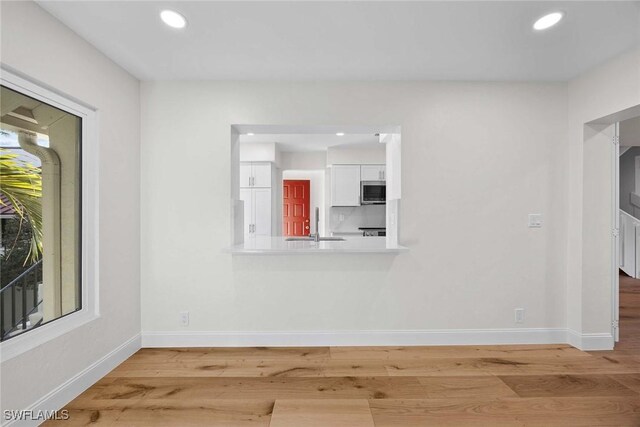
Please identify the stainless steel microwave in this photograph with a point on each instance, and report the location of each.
(373, 192)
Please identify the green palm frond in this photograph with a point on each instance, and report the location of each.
(21, 184)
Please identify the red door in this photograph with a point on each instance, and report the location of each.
(295, 209)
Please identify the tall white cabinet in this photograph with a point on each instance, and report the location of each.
(255, 192)
(255, 174)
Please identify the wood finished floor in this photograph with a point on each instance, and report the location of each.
(535, 385)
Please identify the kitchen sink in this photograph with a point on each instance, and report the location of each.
(316, 236)
(311, 239)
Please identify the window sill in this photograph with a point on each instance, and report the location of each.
(43, 334)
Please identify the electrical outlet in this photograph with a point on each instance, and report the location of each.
(535, 220)
(184, 318)
(519, 313)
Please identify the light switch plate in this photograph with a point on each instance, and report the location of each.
(535, 220)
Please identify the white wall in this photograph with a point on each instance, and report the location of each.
(606, 90)
(308, 160)
(369, 155)
(349, 218)
(630, 132)
(40, 47)
(477, 158)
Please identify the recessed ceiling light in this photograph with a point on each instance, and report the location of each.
(548, 21)
(340, 133)
(250, 134)
(173, 19)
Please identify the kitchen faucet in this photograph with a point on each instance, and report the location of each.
(316, 236)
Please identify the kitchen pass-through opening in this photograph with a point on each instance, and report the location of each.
(322, 183)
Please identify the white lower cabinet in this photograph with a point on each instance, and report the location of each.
(246, 195)
(257, 211)
(262, 211)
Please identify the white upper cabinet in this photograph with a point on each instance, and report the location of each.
(245, 175)
(262, 175)
(373, 172)
(345, 185)
(255, 175)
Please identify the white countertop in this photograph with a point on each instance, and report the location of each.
(278, 245)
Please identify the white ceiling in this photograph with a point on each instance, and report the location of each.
(354, 40)
(312, 142)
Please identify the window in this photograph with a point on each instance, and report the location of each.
(40, 213)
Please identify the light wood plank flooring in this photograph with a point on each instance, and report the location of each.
(629, 316)
(538, 385)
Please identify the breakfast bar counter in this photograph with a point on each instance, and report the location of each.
(280, 245)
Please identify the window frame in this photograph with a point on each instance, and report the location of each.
(89, 221)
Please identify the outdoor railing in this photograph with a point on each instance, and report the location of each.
(16, 305)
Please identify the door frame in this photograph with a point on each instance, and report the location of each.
(615, 250)
(309, 211)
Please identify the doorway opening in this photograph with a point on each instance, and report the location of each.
(626, 320)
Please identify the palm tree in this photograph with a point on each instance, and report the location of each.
(21, 186)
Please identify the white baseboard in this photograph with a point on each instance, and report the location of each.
(353, 338)
(590, 342)
(69, 390)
